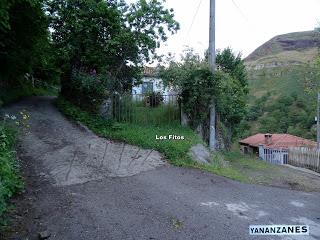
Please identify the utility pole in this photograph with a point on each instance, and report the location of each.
(318, 122)
(212, 62)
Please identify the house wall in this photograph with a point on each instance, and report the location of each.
(275, 156)
(246, 149)
(157, 86)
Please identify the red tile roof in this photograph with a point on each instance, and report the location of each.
(278, 141)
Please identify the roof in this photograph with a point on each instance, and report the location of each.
(149, 71)
(278, 141)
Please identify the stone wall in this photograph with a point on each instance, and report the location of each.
(106, 109)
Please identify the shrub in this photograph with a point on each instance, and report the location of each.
(199, 87)
(10, 180)
(87, 90)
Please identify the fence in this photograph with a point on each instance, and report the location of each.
(305, 157)
(149, 109)
(274, 156)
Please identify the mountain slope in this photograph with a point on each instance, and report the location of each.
(283, 64)
(278, 72)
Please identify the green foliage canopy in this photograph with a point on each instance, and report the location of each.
(233, 64)
(111, 37)
(199, 87)
(291, 114)
(23, 38)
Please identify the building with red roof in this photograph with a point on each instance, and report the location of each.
(273, 141)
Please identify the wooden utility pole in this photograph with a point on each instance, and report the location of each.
(212, 62)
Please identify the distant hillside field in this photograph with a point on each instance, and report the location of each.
(283, 64)
(280, 68)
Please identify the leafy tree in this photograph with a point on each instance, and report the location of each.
(23, 36)
(108, 37)
(198, 86)
(233, 64)
(287, 114)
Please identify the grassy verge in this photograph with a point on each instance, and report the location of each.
(10, 180)
(145, 136)
(260, 172)
(255, 170)
(134, 110)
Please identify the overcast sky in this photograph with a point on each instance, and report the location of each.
(241, 24)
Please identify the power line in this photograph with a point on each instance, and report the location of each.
(251, 26)
(194, 18)
(239, 9)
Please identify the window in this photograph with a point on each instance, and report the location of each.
(147, 87)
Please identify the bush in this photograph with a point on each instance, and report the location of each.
(199, 88)
(87, 90)
(10, 180)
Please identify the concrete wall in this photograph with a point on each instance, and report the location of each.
(245, 149)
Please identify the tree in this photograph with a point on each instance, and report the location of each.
(198, 86)
(23, 36)
(108, 37)
(233, 64)
(288, 114)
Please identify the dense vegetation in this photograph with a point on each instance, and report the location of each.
(25, 52)
(91, 47)
(198, 87)
(288, 103)
(284, 79)
(104, 44)
(291, 114)
(96, 47)
(91, 44)
(10, 181)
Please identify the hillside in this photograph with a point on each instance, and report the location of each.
(282, 64)
(277, 72)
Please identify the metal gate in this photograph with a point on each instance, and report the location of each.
(146, 109)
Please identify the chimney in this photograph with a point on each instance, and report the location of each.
(268, 138)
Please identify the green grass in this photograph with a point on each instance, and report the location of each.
(254, 169)
(10, 180)
(281, 81)
(145, 136)
(247, 161)
(229, 172)
(135, 111)
(232, 164)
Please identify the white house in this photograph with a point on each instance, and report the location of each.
(152, 83)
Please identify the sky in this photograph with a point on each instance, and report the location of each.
(242, 25)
